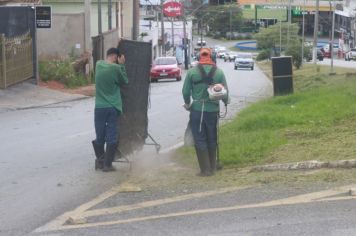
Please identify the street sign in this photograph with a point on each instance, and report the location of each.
(43, 17)
(173, 9)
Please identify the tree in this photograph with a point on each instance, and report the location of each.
(218, 18)
(277, 36)
(273, 36)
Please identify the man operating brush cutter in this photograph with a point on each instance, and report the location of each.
(204, 87)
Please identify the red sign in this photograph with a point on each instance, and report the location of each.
(173, 9)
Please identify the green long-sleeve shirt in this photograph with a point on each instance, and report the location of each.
(198, 92)
(108, 78)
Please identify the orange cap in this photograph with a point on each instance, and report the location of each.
(205, 52)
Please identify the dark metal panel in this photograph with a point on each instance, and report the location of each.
(133, 123)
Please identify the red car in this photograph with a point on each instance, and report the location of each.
(165, 68)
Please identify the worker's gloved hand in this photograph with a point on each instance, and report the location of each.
(187, 106)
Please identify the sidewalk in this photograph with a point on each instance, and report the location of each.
(27, 95)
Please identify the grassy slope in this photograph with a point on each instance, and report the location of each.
(318, 122)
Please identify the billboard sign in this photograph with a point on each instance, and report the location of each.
(173, 9)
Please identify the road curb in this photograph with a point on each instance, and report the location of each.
(306, 165)
(9, 109)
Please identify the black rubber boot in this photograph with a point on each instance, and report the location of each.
(99, 154)
(109, 157)
(204, 163)
(212, 159)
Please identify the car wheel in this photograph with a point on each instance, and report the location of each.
(252, 68)
(235, 67)
(179, 78)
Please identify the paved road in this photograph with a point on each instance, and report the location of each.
(46, 165)
(46, 171)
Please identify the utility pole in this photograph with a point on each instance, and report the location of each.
(332, 41)
(135, 19)
(316, 30)
(303, 31)
(172, 32)
(255, 19)
(185, 45)
(87, 46)
(109, 14)
(201, 32)
(230, 23)
(100, 30)
(162, 31)
(289, 19)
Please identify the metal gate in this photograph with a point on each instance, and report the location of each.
(16, 59)
(17, 45)
(98, 51)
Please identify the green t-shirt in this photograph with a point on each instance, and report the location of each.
(198, 92)
(108, 78)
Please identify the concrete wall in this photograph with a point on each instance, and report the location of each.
(65, 36)
(127, 16)
(111, 39)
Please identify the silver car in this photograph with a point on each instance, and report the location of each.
(244, 60)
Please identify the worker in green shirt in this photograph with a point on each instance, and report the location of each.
(203, 105)
(110, 74)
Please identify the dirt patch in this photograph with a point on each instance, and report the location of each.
(88, 90)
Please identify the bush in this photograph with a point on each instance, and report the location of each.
(61, 71)
(263, 55)
(295, 51)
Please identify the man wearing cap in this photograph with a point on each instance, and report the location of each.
(204, 111)
(110, 74)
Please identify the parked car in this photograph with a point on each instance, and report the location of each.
(319, 55)
(326, 50)
(350, 55)
(231, 56)
(165, 68)
(201, 42)
(244, 60)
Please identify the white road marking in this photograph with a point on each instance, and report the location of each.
(58, 224)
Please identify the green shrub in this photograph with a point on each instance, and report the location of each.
(263, 55)
(294, 50)
(61, 71)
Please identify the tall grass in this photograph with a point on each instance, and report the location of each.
(320, 102)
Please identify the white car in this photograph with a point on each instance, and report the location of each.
(335, 48)
(201, 42)
(350, 55)
(244, 60)
(221, 52)
(231, 56)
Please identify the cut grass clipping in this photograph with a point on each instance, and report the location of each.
(317, 122)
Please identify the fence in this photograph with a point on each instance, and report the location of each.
(16, 59)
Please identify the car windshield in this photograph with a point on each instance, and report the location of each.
(244, 56)
(165, 61)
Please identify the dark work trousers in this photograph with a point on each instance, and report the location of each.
(205, 134)
(106, 125)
